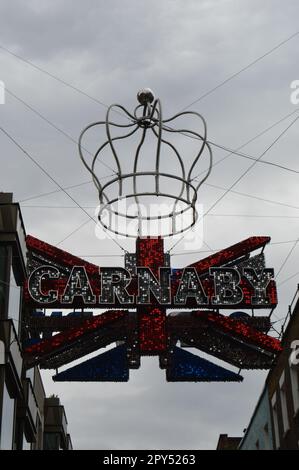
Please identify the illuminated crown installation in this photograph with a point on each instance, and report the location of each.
(143, 301)
(137, 182)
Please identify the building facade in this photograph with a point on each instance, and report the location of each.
(259, 434)
(28, 420)
(275, 421)
(226, 442)
(283, 385)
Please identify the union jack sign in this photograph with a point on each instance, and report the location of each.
(153, 309)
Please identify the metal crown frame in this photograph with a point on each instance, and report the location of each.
(147, 118)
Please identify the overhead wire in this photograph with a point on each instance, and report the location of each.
(251, 196)
(287, 258)
(288, 279)
(243, 69)
(242, 175)
(283, 242)
(53, 192)
(55, 77)
(42, 169)
(237, 150)
(250, 157)
(259, 198)
(52, 124)
(262, 216)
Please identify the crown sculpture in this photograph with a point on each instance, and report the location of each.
(138, 185)
(151, 308)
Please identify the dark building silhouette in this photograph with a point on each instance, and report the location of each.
(28, 420)
(274, 424)
(228, 443)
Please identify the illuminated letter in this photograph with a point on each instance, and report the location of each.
(34, 284)
(190, 286)
(114, 283)
(226, 286)
(78, 286)
(259, 281)
(148, 283)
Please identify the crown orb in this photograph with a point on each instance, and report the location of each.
(145, 96)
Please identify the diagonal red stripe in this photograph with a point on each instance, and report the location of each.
(73, 334)
(241, 330)
(60, 256)
(230, 254)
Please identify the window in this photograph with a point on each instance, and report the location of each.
(275, 420)
(38, 445)
(9, 287)
(14, 302)
(30, 375)
(294, 373)
(284, 406)
(26, 445)
(3, 285)
(266, 437)
(51, 441)
(7, 425)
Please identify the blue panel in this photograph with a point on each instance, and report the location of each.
(56, 314)
(74, 314)
(37, 313)
(80, 314)
(31, 342)
(240, 316)
(187, 367)
(111, 366)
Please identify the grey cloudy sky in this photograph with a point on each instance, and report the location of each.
(180, 49)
